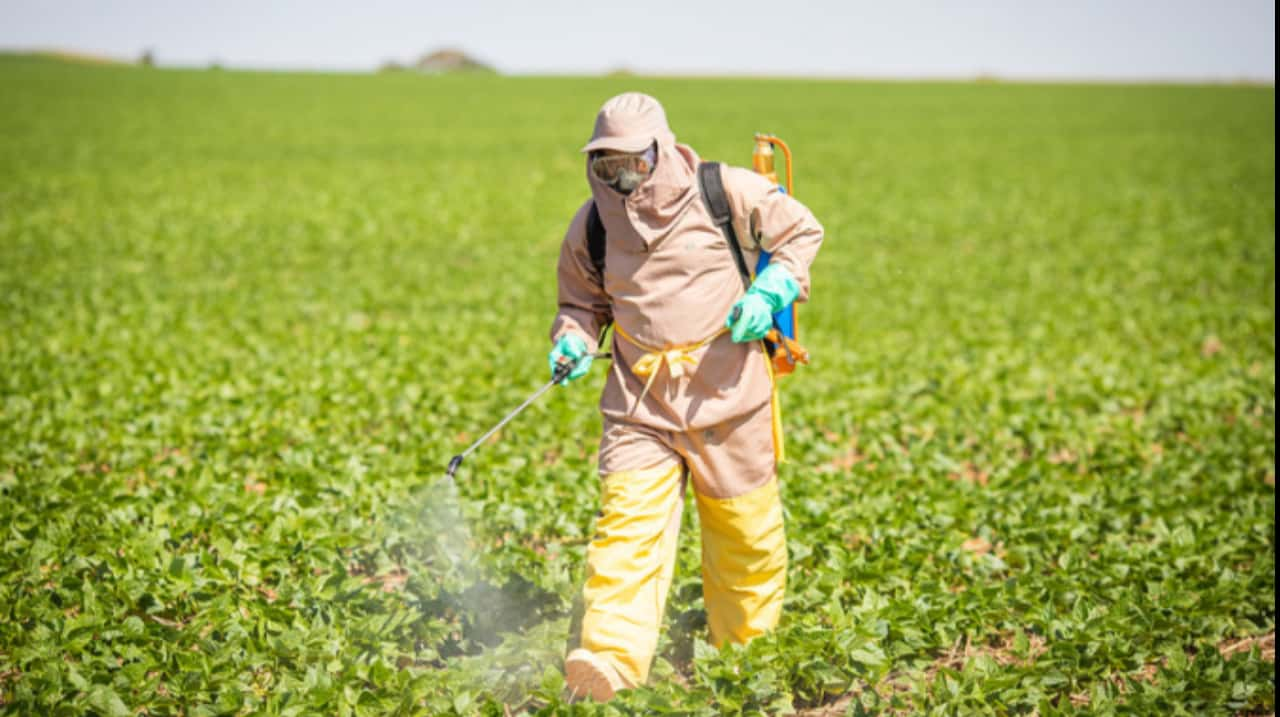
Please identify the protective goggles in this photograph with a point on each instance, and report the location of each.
(606, 167)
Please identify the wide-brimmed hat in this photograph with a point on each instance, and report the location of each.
(629, 122)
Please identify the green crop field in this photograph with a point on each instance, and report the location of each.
(246, 318)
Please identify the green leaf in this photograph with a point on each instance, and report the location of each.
(105, 700)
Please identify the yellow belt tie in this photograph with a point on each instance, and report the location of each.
(677, 360)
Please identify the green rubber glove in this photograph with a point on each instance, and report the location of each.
(573, 348)
(772, 290)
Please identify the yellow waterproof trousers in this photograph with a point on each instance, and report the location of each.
(631, 559)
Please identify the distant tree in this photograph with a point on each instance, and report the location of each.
(148, 58)
(450, 60)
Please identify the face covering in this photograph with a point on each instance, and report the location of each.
(627, 181)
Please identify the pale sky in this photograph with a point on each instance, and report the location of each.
(1089, 39)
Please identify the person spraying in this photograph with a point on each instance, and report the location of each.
(689, 398)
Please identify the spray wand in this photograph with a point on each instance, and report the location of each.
(562, 371)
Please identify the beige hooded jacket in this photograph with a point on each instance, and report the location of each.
(670, 282)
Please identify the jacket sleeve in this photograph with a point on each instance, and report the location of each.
(584, 307)
(769, 219)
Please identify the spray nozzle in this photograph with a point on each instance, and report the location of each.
(453, 466)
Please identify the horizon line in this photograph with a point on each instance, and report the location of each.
(977, 76)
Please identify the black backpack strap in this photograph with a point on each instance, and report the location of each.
(712, 186)
(595, 247)
(596, 240)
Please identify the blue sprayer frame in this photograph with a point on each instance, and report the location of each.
(785, 320)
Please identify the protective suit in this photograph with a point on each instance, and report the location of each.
(682, 399)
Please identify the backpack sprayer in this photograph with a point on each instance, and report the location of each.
(785, 351)
(782, 341)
